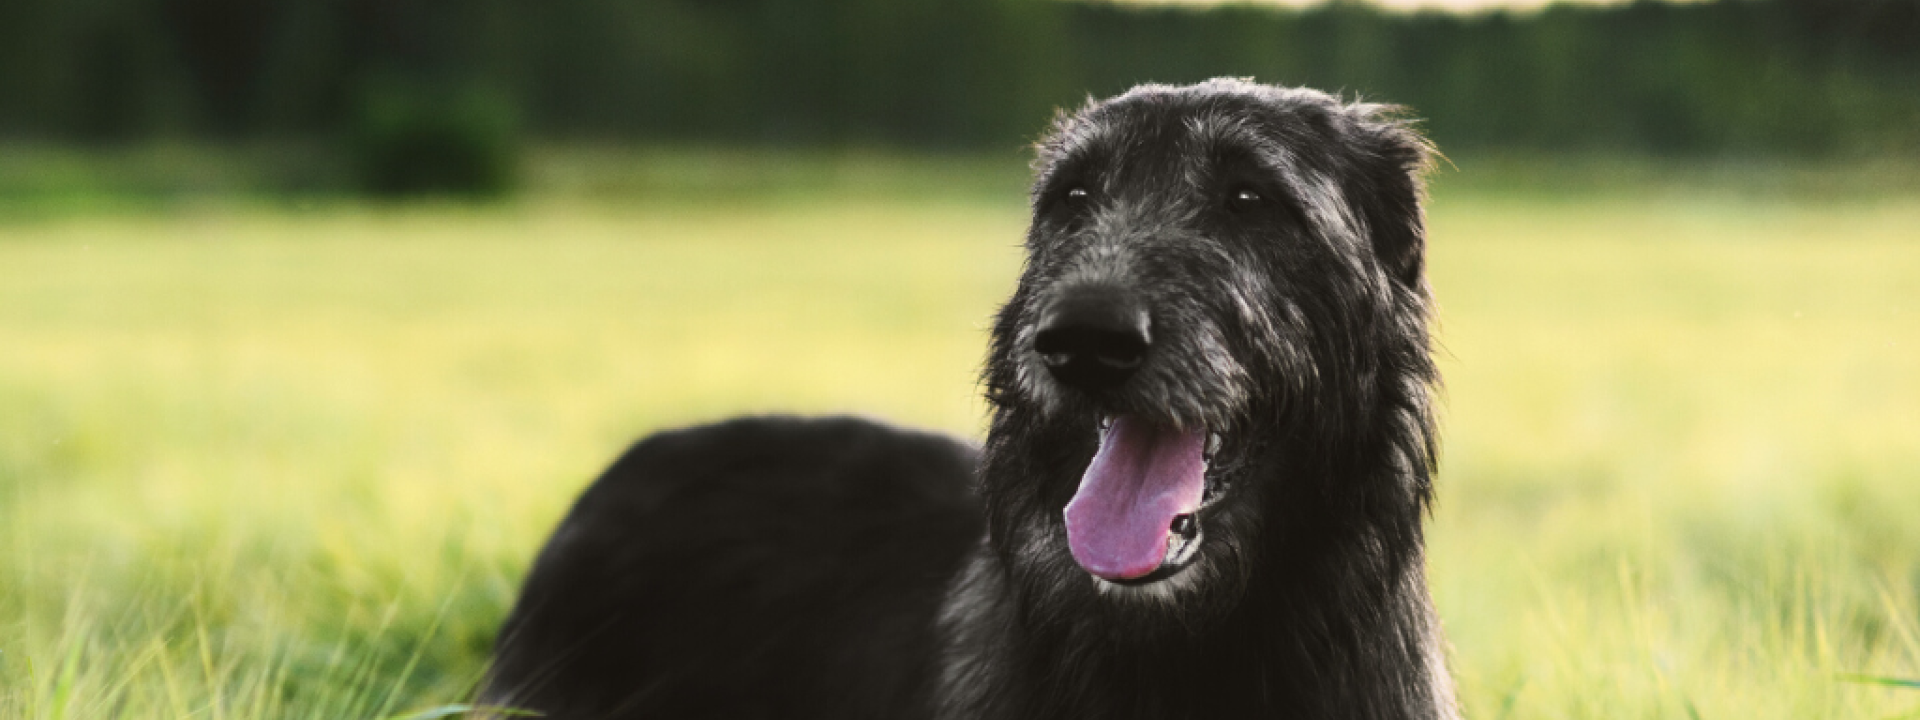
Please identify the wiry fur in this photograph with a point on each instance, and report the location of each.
(1293, 324)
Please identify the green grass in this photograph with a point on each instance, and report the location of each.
(262, 462)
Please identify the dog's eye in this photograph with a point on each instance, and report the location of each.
(1244, 198)
(1070, 203)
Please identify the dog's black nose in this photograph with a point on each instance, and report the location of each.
(1092, 339)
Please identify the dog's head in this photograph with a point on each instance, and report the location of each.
(1224, 291)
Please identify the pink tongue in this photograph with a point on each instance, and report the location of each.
(1140, 480)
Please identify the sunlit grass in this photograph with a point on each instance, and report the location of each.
(292, 464)
(1682, 475)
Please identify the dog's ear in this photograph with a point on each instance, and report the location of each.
(1392, 161)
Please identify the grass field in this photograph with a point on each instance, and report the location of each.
(265, 462)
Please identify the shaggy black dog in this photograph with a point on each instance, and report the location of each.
(1201, 496)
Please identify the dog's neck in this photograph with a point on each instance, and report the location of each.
(1327, 625)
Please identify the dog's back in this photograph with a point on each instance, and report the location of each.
(759, 568)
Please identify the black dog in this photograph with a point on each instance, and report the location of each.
(1201, 495)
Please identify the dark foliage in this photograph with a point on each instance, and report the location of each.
(1798, 76)
(432, 140)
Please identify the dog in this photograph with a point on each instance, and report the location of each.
(1201, 494)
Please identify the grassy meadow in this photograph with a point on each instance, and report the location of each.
(270, 461)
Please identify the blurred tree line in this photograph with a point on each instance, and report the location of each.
(422, 83)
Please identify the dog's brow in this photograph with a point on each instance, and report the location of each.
(1215, 127)
(1209, 128)
(1073, 148)
(1219, 136)
(1230, 139)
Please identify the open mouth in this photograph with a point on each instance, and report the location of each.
(1135, 518)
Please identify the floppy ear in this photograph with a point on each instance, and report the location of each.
(1392, 161)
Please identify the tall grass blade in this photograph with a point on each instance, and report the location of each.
(1879, 680)
(63, 684)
